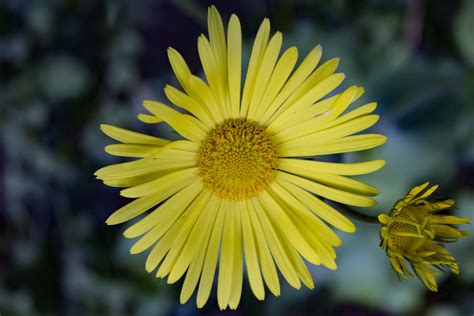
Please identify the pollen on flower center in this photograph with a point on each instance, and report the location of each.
(237, 159)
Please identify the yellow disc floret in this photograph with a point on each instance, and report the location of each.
(237, 159)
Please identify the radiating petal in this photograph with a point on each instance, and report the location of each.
(129, 137)
(234, 57)
(300, 74)
(186, 125)
(210, 261)
(300, 166)
(258, 50)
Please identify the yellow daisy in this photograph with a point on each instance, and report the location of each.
(412, 231)
(239, 186)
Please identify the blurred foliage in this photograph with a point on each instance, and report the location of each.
(67, 66)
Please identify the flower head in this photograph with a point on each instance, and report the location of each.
(239, 188)
(412, 232)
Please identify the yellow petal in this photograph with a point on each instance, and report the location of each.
(128, 150)
(238, 270)
(200, 231)
(129, 137)
(256, 57)
(279, 76)
(186, 125)
(264, 72)
(328, 192)
(267, 265)
(301, 73)
(346, 144)
(448, 219)
(319, 208)
(180, 68)
(299, 211)
(140, 167)
(183, 228)
(224, 283)
(210, 262)
(213, 73)
(167, 213)
(301, 166)
(234, 57)
(278, 252)
(139, 206)
(291, 232)
(303, 136)
(286, 118)
(319, 75)
(196, 266)
(149, 119)
(186, 102)
(206, 98)
(251, 255)
(162, 247)
(218, 41)
(332, 180)
(165, 185)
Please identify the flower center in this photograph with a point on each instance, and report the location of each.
(237, 159)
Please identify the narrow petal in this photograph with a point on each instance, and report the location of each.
(210, 261)
(226, 260)
(286, 118)
(319, 208)
(280, 75)
(300, 166)
(129, 137)
(218, 41)
(141, 205)
(264, 72)
(186, 102)
(199, 232)
(180, 68)
(332, 180)
(234, 57)
(299, 210)
(328, 192)
(292, 233)
(319, 75)
(167, 213)
(133, 151)
(197, 264)
(182, 228)
(148, 119)
(251, 255)
(256, 57)
(301, 73)
(142, 167)
(276, 248)
(267, 264)
(213, 73)
(164, 244)
(343, 145)
(205, 96)
(165, 185)
(238, 269)
(169, 221)
(187, 126)
(329, 134)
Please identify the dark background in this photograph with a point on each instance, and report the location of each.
(67, 66)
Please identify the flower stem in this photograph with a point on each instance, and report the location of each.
(350, 212)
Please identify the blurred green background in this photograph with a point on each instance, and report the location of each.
(67, 66)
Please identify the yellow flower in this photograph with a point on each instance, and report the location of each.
(239, 185)
(412, 231)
